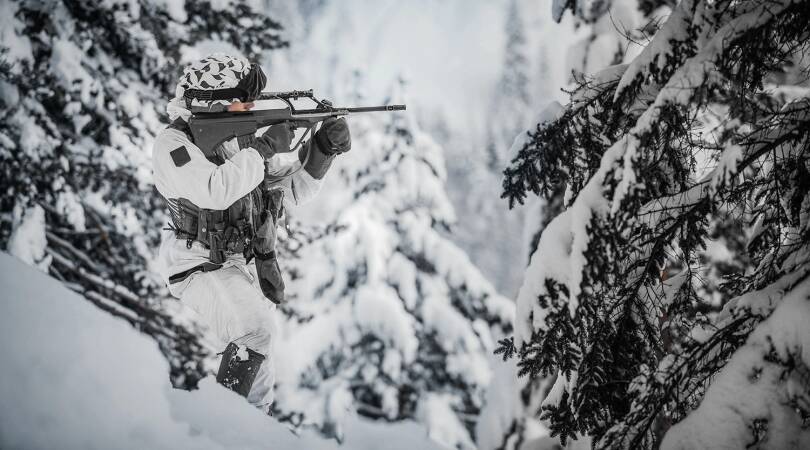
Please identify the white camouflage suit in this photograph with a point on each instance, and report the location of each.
(228, 301)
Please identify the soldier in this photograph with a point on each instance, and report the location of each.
(224, 207)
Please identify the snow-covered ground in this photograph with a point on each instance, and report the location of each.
(73, 376)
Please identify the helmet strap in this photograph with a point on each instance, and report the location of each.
(214, 94)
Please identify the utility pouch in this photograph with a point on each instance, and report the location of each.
(264, 240)
(274, 204)
(270, 280)
(264, 246)
(188, 217)
(216, 242)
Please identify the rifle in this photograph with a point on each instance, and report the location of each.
(211, 129)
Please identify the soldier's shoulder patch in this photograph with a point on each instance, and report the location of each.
(180, 156)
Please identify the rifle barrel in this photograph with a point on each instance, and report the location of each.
(360, 109)
(340, 111)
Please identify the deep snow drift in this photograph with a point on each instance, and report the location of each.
(72, 376)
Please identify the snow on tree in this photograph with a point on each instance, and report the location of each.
(609, 32)
(81, 103)
(760, 398)
(614, 30)
(674, 278)
(518, 425)
(389, 318)
(516, 420)
(591, 11)
(510, 104)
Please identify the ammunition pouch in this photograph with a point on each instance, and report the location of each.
(222, 232)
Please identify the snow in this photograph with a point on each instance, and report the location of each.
(435, 410)
(80, 378)
(548, 261)
(560, 253)
(130, 103)
(69, 205)
(433, 43)
(388, 278)
(66, 61)
(752, 385)
(657, 52)
(348, 35)
(175, 8)
(379, 311)
(242, 353)
(19, 46)
(28, 241)
(603, 38)
(205, 47)
(590, 200)
(452, 54)
(558, 8)
(466, 353)
(33, 138)
(749, 388)
(6, 141)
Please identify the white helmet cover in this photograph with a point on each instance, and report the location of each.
(216, 71)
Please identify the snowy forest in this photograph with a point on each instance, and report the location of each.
(590, 228)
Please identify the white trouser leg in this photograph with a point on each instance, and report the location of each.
(235, 310)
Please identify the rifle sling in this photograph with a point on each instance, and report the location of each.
(204, 267)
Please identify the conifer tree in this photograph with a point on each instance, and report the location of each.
(672, 289)
(479, 206)
(390, 319)
(82, 101)
(510, 104)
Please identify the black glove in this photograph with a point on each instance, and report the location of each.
(270, 280)
(316, 163)
(333, 137)
(276, 139)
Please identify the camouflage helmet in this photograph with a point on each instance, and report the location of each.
(216, 81)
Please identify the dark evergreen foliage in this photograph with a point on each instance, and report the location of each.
(635, 137)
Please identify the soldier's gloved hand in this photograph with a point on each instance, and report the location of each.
(260, 144)
(247, 141)
(270, 280)
(333, 137)
(279, 137)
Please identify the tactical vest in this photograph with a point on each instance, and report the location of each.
(222, 232)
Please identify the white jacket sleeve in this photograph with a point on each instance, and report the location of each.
(204, 183)
(299, 187)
